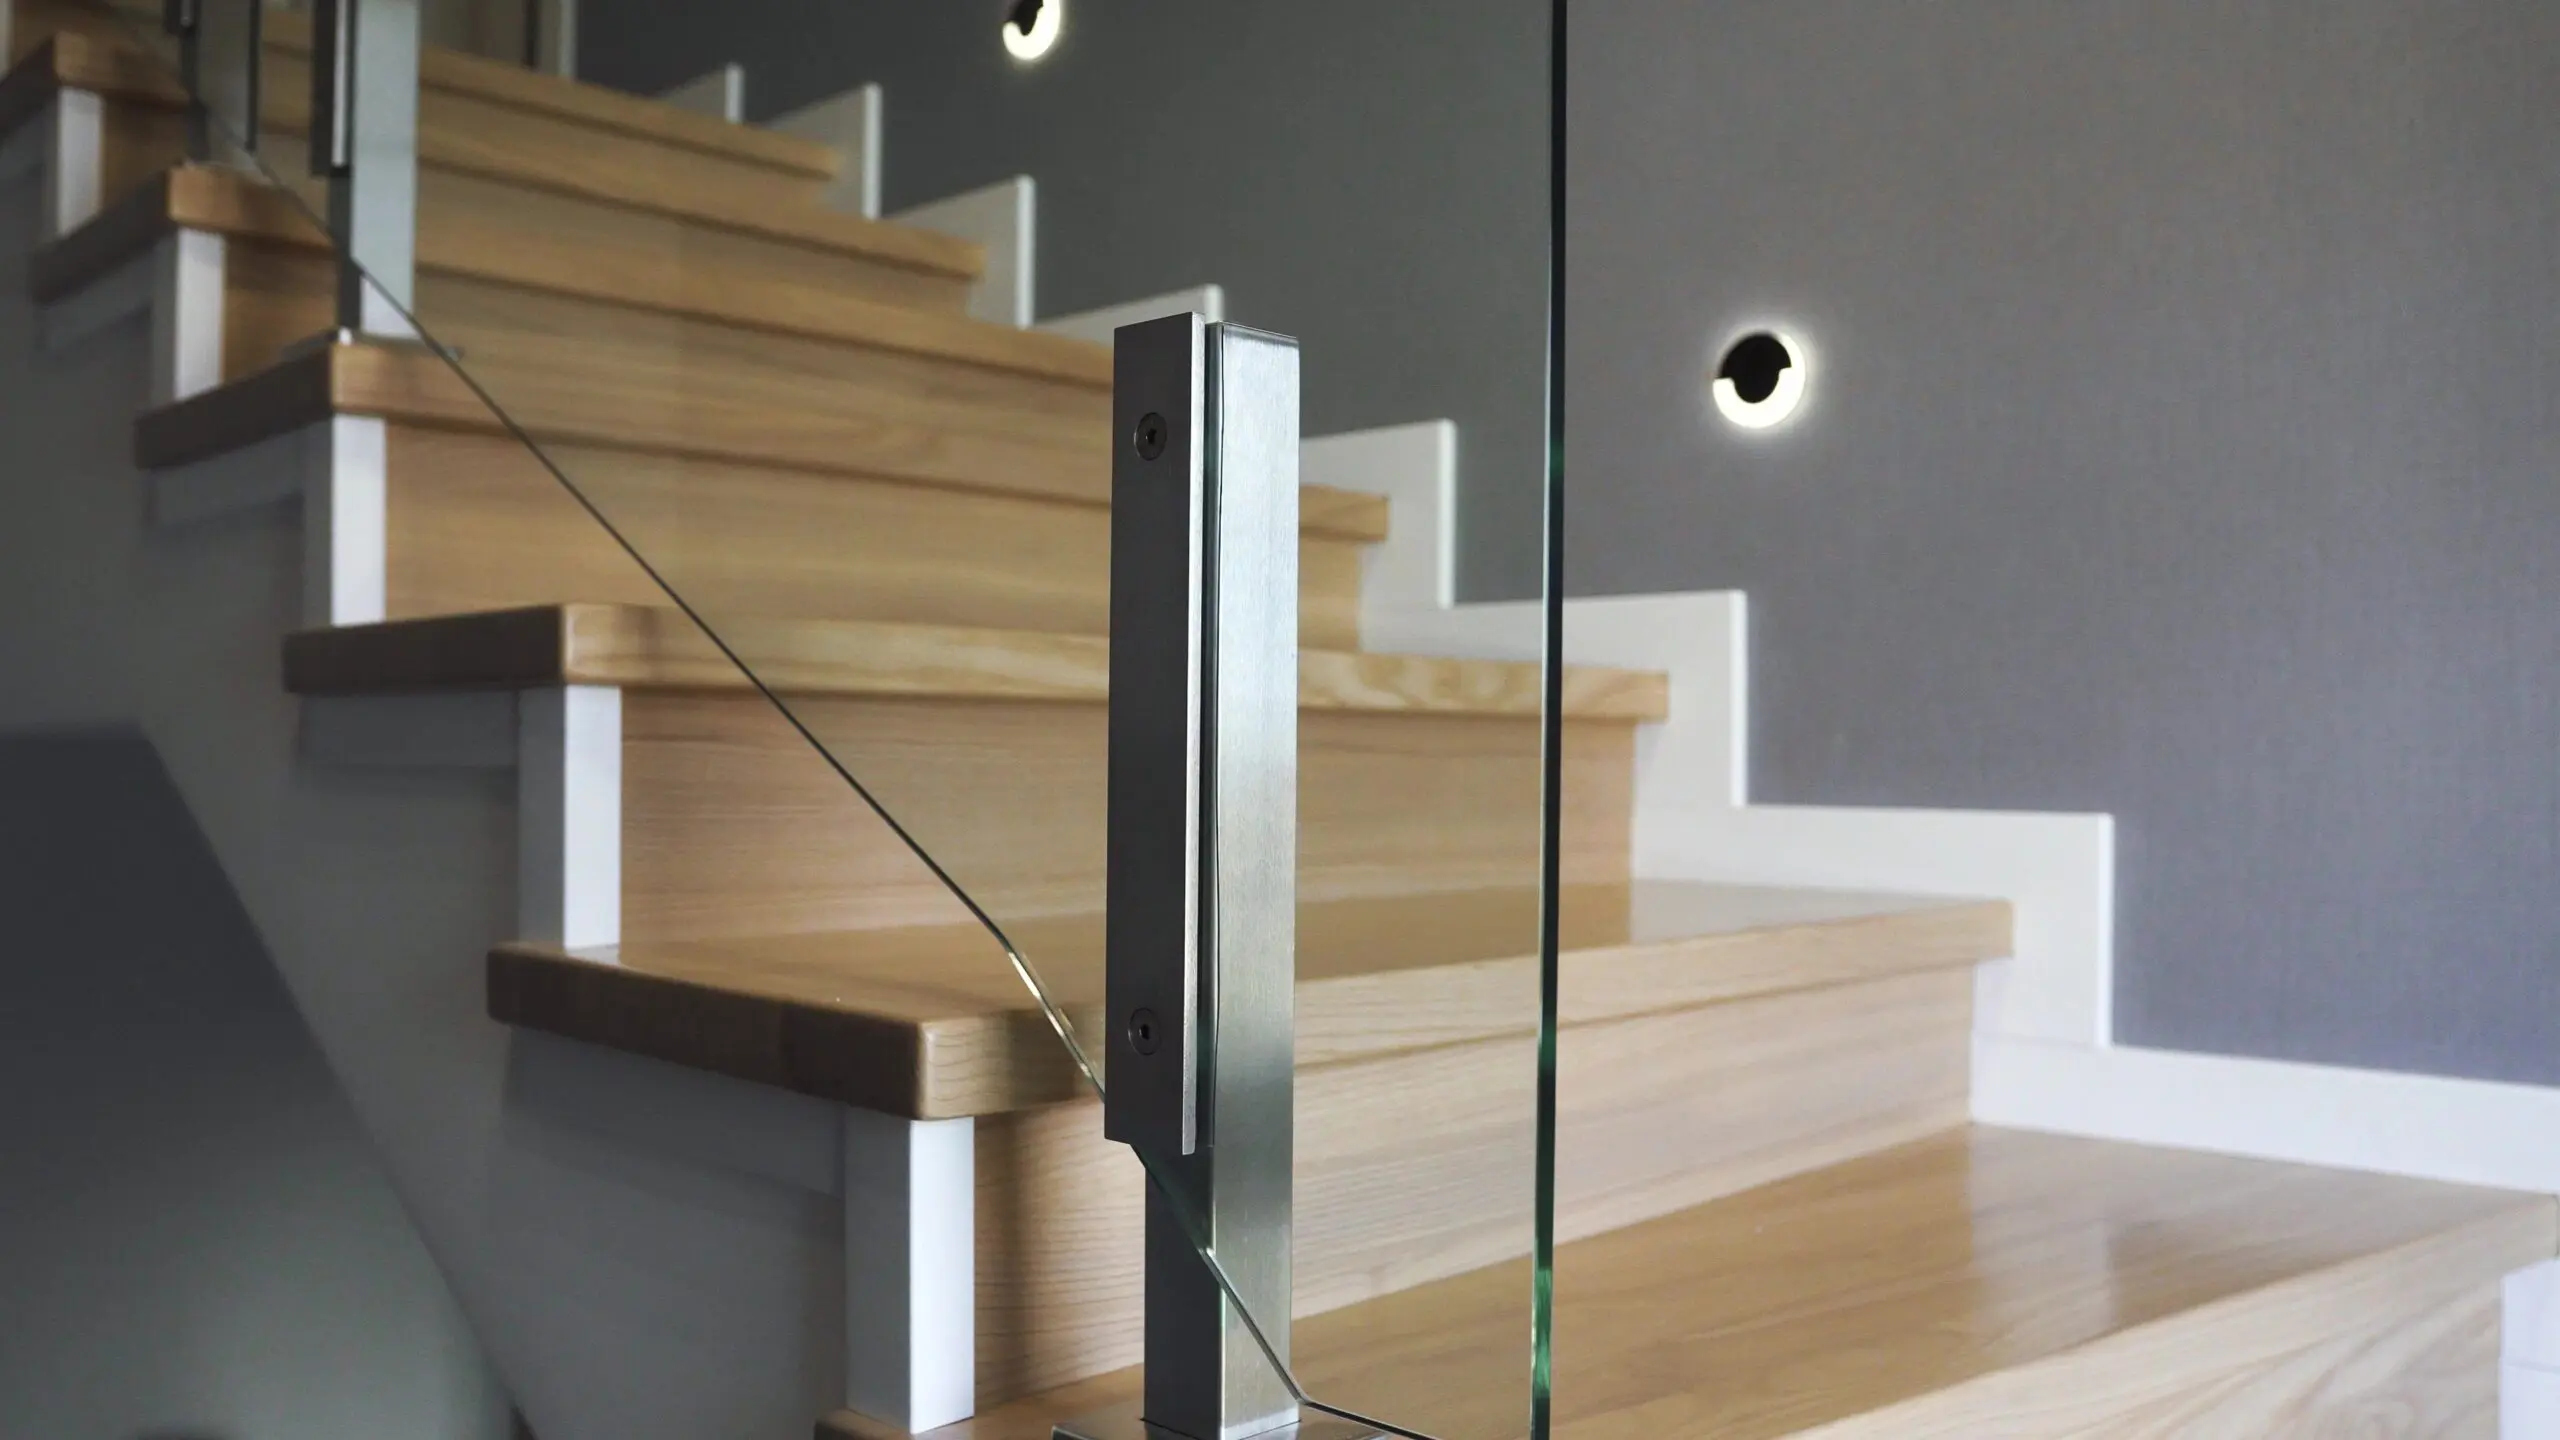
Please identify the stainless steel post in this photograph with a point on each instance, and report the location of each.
(364, 141)
(1202, 912)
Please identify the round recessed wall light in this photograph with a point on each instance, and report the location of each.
(1760, 381)
(1031, 27)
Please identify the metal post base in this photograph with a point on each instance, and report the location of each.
(1125, 1425)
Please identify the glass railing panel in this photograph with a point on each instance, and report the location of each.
(847, 520)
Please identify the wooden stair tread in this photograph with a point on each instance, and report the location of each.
(125, 71)
(411, 385)
(69, 60)
(1980, 1282)
(650, 647)
(596, 105)
(931, 1021)
(226, 202)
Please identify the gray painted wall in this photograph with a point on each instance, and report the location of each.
(1369, 177)
(196, 1242)
(2184, 445)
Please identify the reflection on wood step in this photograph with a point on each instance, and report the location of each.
(659, 648)
(1980, 1285)
(932, 1022)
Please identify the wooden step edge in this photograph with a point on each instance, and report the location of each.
(931, 1024)
(1977, 1282)
(69, 60)
(226, 202)
(660, 648)
(412, 385)
(594, 105)
(125, 72)
(832, 232)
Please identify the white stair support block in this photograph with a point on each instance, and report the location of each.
(850, 124)
(569, 815)
(720, 94)
(1208, 301)
(73, 181)
(346, 521)
(186, 316)
(1003, 218)
(910, 1248)
(2528, 1403)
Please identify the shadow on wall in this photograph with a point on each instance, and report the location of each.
(197, 1240)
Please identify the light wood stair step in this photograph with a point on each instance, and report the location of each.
(986, 431)
(144, 126)
(472, 229)
(1978, 1285)
(931, 1022)
(528, 189)
(1414, 774)
(1715, 1039)
(478, 522)
(661, 648)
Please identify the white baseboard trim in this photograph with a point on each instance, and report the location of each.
(1209, 301)
(2528, 1403)
(719, 93)
(849, 122)
(910, 1243)
(2471, 1132)
(1694, 819)
(1003, 218)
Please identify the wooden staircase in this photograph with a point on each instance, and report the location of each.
(1779, 1220)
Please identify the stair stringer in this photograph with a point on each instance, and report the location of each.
(643, 1250)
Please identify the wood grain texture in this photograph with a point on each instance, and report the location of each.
(734, 825)
(143, 130)
(660, 648)
(1416, 1167)
(594, 106)
(2428, 1376)
(478, 523)
(1982, 1283)
(572, 369)
(574, 415)
(957, 1034)
(467, 131)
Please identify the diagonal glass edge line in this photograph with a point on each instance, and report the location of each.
(1021, 965)
(1057, 1019)
(1542, 1242)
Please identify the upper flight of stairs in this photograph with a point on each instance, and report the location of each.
(1778, 1220)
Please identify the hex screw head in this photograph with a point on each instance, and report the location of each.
(1151, 436)
(1142, 1032)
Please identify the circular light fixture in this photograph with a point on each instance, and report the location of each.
(1031, 27)
(1760, 381)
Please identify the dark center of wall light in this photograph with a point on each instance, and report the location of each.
(1031, 27)
(1760, 381)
